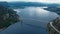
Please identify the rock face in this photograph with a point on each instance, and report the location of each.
(7, 16)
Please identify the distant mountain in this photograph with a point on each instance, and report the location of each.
(30, 4)
(27, 4)
(5, 4)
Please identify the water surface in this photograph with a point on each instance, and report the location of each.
(34, 21)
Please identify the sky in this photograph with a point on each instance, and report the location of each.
(43, 1)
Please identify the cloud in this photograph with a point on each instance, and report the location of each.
(44, 1)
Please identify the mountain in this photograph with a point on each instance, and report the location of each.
(5, 4)
(7, 16)
(30, 4)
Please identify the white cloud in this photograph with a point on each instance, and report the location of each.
(45, 1)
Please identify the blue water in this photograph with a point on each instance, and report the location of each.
(34, 21)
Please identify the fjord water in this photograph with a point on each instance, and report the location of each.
(33, 21)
